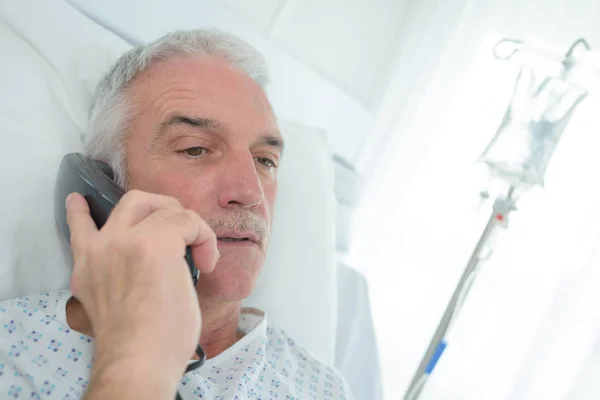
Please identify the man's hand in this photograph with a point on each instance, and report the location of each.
(135, 286)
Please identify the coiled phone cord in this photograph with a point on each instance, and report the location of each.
(193, 366)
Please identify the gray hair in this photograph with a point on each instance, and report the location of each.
(110, 114)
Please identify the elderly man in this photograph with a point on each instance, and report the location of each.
(186, 126)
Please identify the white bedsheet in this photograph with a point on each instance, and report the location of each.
(356, 354)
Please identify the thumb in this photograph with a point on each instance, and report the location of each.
(80, 222)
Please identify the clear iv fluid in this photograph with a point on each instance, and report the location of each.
(522, 154)
(539, 110)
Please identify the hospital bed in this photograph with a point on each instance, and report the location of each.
(52, 55)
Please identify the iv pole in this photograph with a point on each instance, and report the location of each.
(498, 220)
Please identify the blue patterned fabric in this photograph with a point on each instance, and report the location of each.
(42, 358)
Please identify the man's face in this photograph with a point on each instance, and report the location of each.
(206, 135)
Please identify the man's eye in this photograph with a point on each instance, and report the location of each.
(267, 162)
(195, 151)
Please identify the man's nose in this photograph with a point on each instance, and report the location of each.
(240, 185)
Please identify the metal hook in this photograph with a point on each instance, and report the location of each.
(511, 45)
(574, 46)
(578, 42)
(569, 61)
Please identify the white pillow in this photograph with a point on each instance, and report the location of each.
(51, 61)
(298, 284)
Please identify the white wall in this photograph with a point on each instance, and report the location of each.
(260, 13)
(349, 42)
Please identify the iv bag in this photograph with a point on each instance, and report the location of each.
(539, 110)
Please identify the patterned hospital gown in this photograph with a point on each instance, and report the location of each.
(40, 357)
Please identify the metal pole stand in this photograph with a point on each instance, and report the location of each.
(498, 220)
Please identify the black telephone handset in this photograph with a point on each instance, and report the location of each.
(94, 180)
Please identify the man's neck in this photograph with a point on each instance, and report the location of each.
(219, 324)
(219, 327)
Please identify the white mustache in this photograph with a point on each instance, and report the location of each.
(240, 221)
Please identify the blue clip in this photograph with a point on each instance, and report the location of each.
(436, 356)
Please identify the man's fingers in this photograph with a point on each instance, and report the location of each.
(81, 224)
(206, 255)
(204, 248)
(135, 206)
(191, 230)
